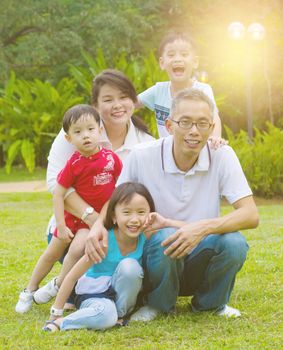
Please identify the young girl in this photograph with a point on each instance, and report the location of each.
(108, 291)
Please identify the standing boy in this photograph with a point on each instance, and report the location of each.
(179, 59)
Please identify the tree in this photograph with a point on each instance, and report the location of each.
(39, 38)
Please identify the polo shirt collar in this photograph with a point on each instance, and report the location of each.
(202, 164)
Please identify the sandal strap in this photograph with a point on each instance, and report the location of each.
(46, 328)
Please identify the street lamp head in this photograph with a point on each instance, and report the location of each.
(256, 31)
(236, 30)
(202, 76)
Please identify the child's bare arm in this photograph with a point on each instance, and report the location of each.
(215, 139)
(217, 131)
(155, 222)
(64, 232)
(69, 281)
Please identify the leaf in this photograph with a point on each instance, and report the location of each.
(9, 88)
(28, 153)
(13, 151)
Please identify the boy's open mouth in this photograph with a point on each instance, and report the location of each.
(178, 70)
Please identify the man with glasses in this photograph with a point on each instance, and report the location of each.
(187, 180)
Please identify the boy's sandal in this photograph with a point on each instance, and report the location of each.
(48, 329)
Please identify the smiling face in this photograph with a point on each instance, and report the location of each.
(84, 134)
(178, 60)
(188, 143)
(130, 216)
(114, 106)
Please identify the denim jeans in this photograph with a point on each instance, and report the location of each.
(102, 313)
(207, 273)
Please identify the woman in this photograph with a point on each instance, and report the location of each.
(114, 97)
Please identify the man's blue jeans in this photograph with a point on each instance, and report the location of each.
(207, 273)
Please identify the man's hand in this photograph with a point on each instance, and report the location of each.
(65, 234)
(97, 243)
(216, 142)
(184, 240)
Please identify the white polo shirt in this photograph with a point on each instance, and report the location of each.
(61, 150)
(190, 196)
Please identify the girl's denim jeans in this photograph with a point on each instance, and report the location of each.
(102, 313)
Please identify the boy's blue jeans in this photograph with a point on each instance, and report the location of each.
(207, 273)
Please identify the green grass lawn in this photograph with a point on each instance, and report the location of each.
(21, 174)
(258, 293)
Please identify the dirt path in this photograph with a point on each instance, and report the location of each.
(40, 186)
(24, 186)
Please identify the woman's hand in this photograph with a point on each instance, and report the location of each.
(97, 243)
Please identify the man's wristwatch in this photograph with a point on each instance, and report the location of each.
(88, 211)
(56, 312)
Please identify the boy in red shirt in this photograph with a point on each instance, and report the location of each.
(92, 171)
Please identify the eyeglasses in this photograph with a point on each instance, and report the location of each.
(188, 124)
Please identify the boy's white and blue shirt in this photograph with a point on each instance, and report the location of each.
(98, 277)
(158, 98)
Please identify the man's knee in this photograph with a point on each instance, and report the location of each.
(235, 247)
(158, 237)
(154, 260)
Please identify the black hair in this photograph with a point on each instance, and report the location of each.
(172, 36)
(74, 113)
(123, 194)
(119, 80)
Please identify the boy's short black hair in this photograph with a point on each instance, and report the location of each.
(172, 36)
(74, 113)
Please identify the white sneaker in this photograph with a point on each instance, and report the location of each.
(46, 293)
(228, 311)
(25, 301)
(145, 314)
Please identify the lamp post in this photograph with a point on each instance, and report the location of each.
(255, 32)
(202, 76)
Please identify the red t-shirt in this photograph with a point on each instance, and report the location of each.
(93, 177)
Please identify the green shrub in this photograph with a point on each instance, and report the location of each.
(261, 159)
(30, 116)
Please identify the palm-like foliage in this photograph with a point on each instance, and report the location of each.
(30, 114)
